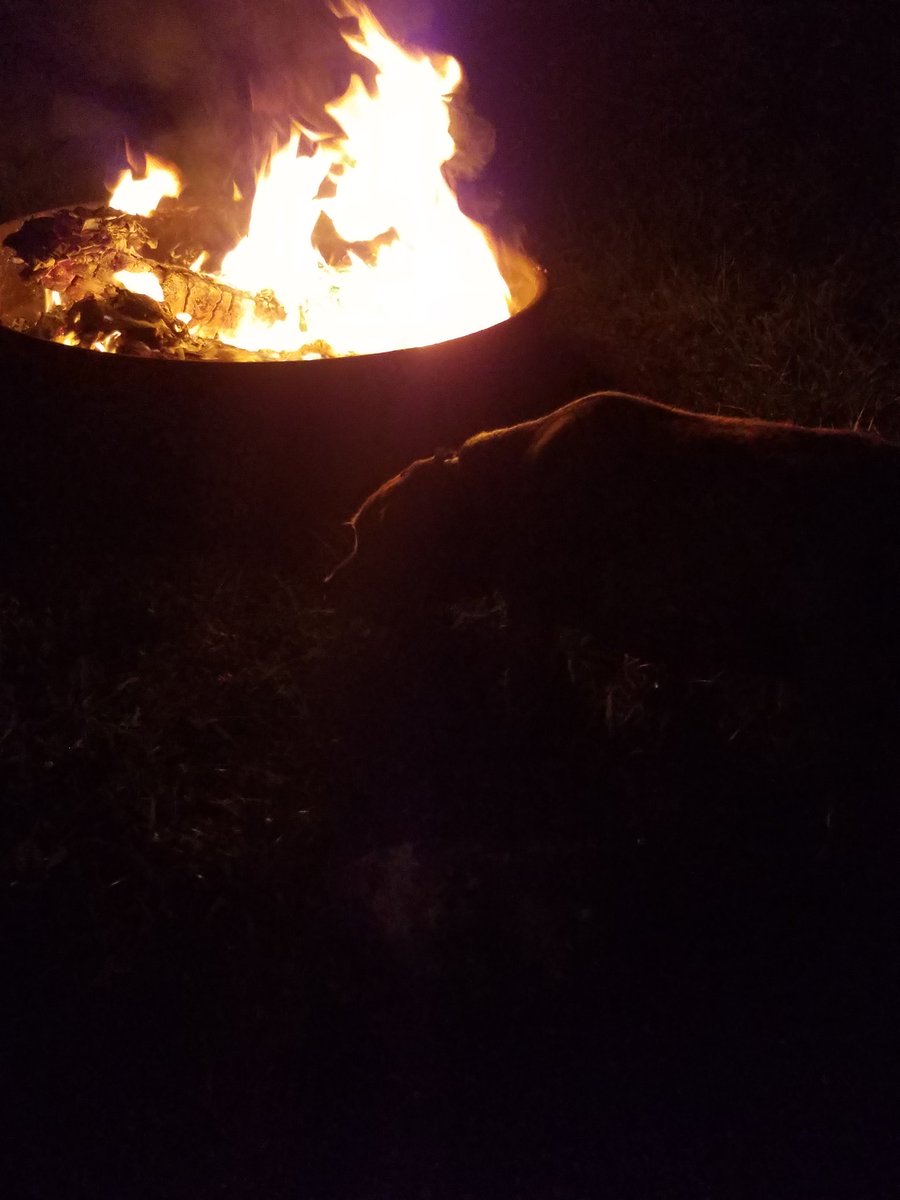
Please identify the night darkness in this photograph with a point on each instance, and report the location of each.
(488, 875)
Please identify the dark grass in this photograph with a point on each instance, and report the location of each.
(292, 902)
(298, 906)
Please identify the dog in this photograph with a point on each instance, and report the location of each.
(704, 542)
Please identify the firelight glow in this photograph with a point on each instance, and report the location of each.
(360, 237)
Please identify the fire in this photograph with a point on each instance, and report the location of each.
(360, 238)
(355, 242)
(141, 195)
(142, 283)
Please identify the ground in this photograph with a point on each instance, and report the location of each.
(295, 906)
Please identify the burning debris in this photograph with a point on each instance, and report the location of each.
(114, 281)
(355, 242)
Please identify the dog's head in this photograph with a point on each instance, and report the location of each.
(410, 542)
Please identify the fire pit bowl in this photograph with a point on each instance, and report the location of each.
(141, 451)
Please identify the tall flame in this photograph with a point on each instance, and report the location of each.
(141, 195)
(409, 268)
(359, 236)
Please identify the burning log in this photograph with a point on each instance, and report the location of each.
(213, 305)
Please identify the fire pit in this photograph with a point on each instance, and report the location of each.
(161, 368)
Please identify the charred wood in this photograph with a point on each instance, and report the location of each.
(76, 254)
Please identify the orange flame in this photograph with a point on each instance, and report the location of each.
(359, 237)
(429, 273)
(141, 196)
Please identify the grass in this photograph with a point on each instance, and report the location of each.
(282, 891)
(296, 906)
(727, 325)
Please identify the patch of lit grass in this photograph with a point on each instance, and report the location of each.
(673, 301)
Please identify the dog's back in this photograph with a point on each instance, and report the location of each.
(668, 533)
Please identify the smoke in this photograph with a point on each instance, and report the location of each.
(198, 84)
(205, 85)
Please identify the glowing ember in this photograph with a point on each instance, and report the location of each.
(141, 196)
(406, 267)
(142, 283)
